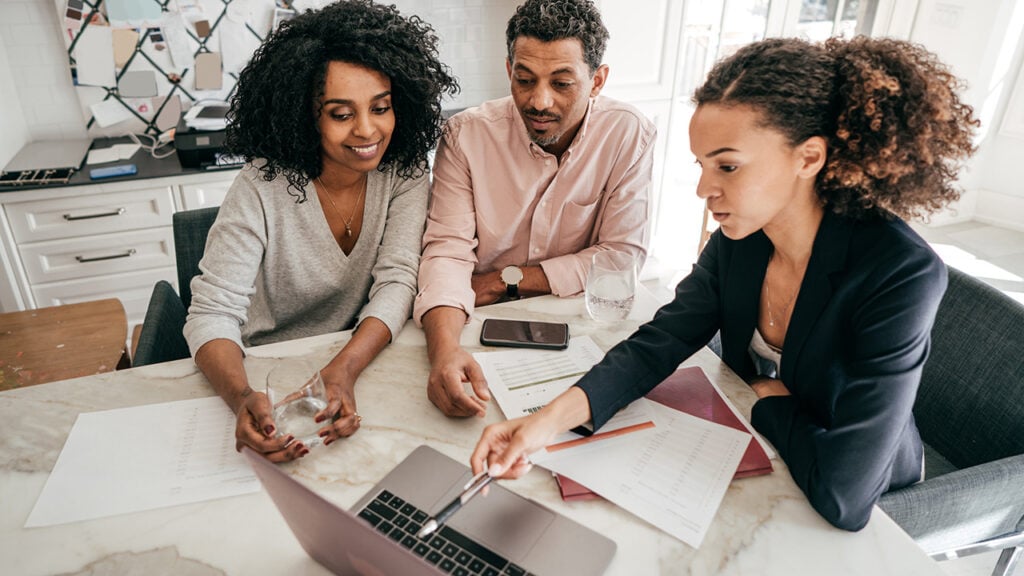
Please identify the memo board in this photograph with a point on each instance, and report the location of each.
(134, 62)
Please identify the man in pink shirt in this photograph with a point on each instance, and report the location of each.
(528, 187)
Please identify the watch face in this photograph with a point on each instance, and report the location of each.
(511, 275)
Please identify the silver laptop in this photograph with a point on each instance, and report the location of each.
(502, 533)
(49, 154)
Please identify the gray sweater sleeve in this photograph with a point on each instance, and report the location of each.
(394, 274)
(235, 246)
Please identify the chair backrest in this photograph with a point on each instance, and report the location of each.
(970, 406)
(190, 230)
(161, 338)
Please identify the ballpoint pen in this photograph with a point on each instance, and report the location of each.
(472, 488)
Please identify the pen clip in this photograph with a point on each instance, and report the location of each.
(475, 484)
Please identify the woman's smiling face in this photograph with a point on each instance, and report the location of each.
(357, 119)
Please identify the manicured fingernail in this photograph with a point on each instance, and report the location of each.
(269, 429)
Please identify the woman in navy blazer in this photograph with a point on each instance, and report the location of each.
(810, 155)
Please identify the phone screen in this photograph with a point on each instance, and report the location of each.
(524, 333)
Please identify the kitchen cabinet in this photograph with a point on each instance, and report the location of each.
(75, 243)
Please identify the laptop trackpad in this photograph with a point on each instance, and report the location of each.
(504, 522)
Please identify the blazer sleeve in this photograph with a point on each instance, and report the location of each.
(638, 364)
(844, 466)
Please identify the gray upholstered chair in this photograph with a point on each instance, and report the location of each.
(161, 339)
(970, 411)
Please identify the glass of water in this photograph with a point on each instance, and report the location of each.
(611, 286)
(296, 392)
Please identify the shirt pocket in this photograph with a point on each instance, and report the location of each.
(576, 226)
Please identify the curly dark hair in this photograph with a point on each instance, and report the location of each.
(550, 20)
(896, 130)
(274, 111)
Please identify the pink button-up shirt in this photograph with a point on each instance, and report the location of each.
(498, 199)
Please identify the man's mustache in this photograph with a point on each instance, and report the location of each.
(541, 115)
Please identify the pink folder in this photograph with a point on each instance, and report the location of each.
(689, 390)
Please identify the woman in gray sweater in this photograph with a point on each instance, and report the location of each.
(320, 232)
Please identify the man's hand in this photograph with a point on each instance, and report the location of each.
(451, 367)
(489, 288)
(450, 370)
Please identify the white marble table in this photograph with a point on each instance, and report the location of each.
(764, 526)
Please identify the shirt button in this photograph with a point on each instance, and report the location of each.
(547, 162)
(536, 250)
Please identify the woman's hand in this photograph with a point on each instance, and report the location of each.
(340, 414)
(764, 387)
(504, 448)
(255, 428)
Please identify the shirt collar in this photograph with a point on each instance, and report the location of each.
(535, 150)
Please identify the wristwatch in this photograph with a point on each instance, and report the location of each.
(512, 276)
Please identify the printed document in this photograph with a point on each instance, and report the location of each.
(141, 458)
(524, 380)
(673, 477)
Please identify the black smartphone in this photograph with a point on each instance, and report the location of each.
(525, 334)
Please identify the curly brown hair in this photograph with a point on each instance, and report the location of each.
(274, 110)
(890, 112)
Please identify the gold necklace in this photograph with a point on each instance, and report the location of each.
(768, 298)
(348, 222)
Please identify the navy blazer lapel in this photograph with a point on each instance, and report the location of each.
(741, 297)
(827, 256)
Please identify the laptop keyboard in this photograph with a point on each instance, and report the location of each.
(449, 550)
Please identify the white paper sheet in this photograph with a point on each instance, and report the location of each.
(673, 476)
(109, 112)
(523, 381)
(141, 458)
(112, 153)
(94, 57)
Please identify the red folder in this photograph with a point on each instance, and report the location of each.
(689, 390)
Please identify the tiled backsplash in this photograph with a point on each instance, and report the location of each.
(472, 43)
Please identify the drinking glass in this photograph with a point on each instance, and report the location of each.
(611, 286)
(296, 392)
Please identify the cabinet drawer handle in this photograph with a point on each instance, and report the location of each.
(126, 254)
(71, 218)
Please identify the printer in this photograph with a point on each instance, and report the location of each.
(199, 136)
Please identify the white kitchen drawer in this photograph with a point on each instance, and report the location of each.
(90, 214)
(97, 255)
(204, 195)
(133, 288)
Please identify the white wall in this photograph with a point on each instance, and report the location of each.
(981, 40)
(14, 126)
(38, 100)
(472, 34)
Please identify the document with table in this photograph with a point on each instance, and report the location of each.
(667, 467)
(145, 457)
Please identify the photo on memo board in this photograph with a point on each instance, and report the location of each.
(132, 59)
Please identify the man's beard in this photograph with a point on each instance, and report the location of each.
(544, 140)
(541, 140)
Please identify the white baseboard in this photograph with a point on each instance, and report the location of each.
(1000, 209)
